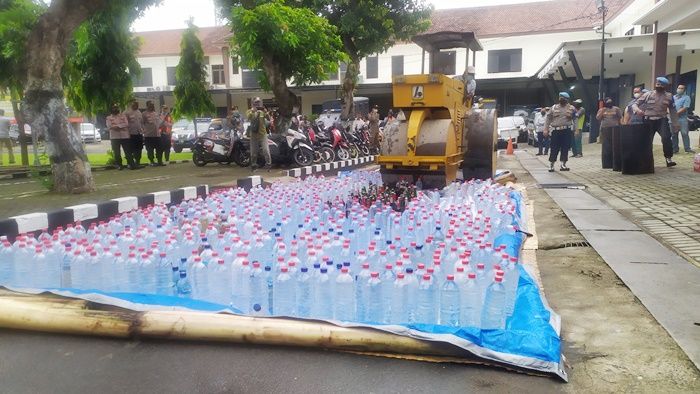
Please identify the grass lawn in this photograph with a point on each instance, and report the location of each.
(96, 159)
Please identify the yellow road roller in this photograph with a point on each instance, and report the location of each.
(441, 135)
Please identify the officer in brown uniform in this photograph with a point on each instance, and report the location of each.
(118, 126)
(559, 125)
(152, 133)
(373, 118)
(655, 106)
(134, 117)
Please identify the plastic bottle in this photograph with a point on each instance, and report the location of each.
(426, 305)
(284, 299)
(322, 307)
(374, 300)
(412, 290)
(200, 280)
(399, 300)
(184, 288)
(493, 315)
(304, 288)
(388, 278)
(257, 288)
(269, 279)
(219, 282)
(512, 277)
(344, 296)
(360, 294)
(148, 271)
(450, 303)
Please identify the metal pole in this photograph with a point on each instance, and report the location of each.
(601, 87)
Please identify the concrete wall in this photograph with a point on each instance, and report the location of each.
(622, 23)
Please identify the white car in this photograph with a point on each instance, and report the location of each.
(89, 133)
(510, 127)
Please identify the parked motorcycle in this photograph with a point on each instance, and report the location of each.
(323, 152)
(215, 147)
(286, 148)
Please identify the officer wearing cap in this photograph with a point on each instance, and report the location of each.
(558, 125)
(655, 106)
(630, 117)
(259, 119)
(576, 142)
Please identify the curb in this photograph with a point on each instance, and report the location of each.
(336, 166)
(89, 213)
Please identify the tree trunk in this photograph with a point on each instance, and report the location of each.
(286, 99)
(24, 154)
(349, 84)
(44, 106)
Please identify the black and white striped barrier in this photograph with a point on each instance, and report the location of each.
(303, 172)
(88, 213)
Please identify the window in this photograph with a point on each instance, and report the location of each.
(446, 63)
(235, 65)
(372, 67)
(397, 65)
(647, 29)
(145, 80)
(630, 32)
(172, 80)
(505, 60)
(217, 74)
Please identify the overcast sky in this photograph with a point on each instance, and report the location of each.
(173, 14)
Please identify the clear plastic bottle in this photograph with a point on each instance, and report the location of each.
(147, 274)
(412, 290)
(512, 277)
(374, 299)
(426, 305)
(344, 296)
(360, 291)
(304, 288)
(200, 280)
(284, 297)
(323, 297)
(257, 289)
(270, 280)
(184, 288)
(388, 278)
(449, 303)
(399, 300)
(493, 316)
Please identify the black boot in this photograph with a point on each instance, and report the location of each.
(670, 162)
(564, 167)
(551, 166)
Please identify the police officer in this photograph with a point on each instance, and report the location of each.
(373, 117)
(259, 120)
(151, 132)
(654, 107)
(576, 142)
(469, 78)
(558, 125)
(133, 115)
(118, 126)
(630, 117)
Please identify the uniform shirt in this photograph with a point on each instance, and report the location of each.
(682, 101)
(263, 119)
(609, 117)
(118, 126)
(633, 118)
(135, 121)
(581, 117)
(539, 122)
(560, 116)
(166, 124)
(151, 124)
(657, 106)
(4, 127)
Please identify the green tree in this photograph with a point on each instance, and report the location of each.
(287, 43)
(17, 17)
(367, 27)
(192, 98)
(101, 63)
(46, 48)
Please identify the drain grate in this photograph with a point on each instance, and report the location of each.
(575, 244)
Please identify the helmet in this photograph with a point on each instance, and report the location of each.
(565, 95)
(662, 80)
(471, 70)
(257, 102)
(578, 101)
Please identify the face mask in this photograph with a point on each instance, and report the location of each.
(637, 95)
(562, 101)
(608, 104)
(680, 91)
(470, 77)
(659, 88)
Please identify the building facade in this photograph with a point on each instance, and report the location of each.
(528, 55)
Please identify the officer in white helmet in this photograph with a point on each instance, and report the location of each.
(469, 82)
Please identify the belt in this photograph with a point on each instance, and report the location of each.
(652, 118)
(561, 128)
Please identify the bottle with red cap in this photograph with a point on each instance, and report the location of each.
(399, 300)
(450, 303)
(470, 302)
(493, 314)
(284, 295)
(344, 305)
(360, 291)
(374, 300)
(426, 302)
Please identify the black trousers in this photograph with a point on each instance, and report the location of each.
(153, 144)
(661, 126)
(165, 144)
(117, 146)
(137, 147)
(560, 141)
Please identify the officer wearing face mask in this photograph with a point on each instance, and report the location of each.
(655, 107)
(630, 117)
(559, 123)
(469, 83)
(609, 115)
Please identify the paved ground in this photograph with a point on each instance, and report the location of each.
(666, 204)
(611, 342)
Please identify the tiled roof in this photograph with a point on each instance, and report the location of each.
(167, 42)
(526, 18)
(502, 20)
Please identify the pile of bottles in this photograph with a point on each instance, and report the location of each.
(304, 249)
